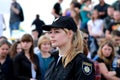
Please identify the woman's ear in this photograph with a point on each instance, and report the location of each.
(70, 34)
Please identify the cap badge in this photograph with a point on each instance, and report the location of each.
(56, 19)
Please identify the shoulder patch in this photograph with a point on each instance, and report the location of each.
(86, 68)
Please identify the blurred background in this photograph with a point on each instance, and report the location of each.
(33, 7)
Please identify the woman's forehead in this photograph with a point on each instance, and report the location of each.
(55, 29)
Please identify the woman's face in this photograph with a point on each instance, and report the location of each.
(95, 14)
(88, 2)
(71, 6)
(4, 50)
(45, 47)
(58, 37)
(116, 40)
(73, 14)
(116, 15)
(106, 50)
(26, 45)
(19, 48)
(110, 11)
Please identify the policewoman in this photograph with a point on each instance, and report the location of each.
(70, 62)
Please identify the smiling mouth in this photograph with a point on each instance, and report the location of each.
(52, 41)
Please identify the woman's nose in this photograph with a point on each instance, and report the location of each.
(52, 34)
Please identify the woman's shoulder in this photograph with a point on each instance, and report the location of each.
(81, 55)
(99, 60)
(84, 65)
(9, 59)
(99, 20)
(82, 6)
(89, 21)
(82, 58)
(36, 56)
(18, 56)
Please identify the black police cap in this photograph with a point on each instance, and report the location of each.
(62, 22)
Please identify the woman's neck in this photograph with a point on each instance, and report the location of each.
(26, 51)
(63, 49)
(95, 18)
(102, 3)
(45, 54)
(2, 59)
(27, 54)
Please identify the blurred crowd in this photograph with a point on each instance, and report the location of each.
(99, 25)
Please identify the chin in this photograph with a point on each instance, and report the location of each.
(4, 55)
(54, 45)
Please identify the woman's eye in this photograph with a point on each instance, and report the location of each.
(56, 31)
(49, 32)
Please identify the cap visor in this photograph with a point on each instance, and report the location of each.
(46, 27)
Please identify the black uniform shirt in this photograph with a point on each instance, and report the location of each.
(80, 68)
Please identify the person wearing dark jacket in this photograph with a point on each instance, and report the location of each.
(69, 62)
(57, 9)
(6, 63)
(38, 24)
(16, 14)
(26, 64)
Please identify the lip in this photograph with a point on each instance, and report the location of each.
(53, 41)
(107, 54)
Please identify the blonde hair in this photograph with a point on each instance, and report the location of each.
(43, 39)
(76, 48)
(100, 53)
